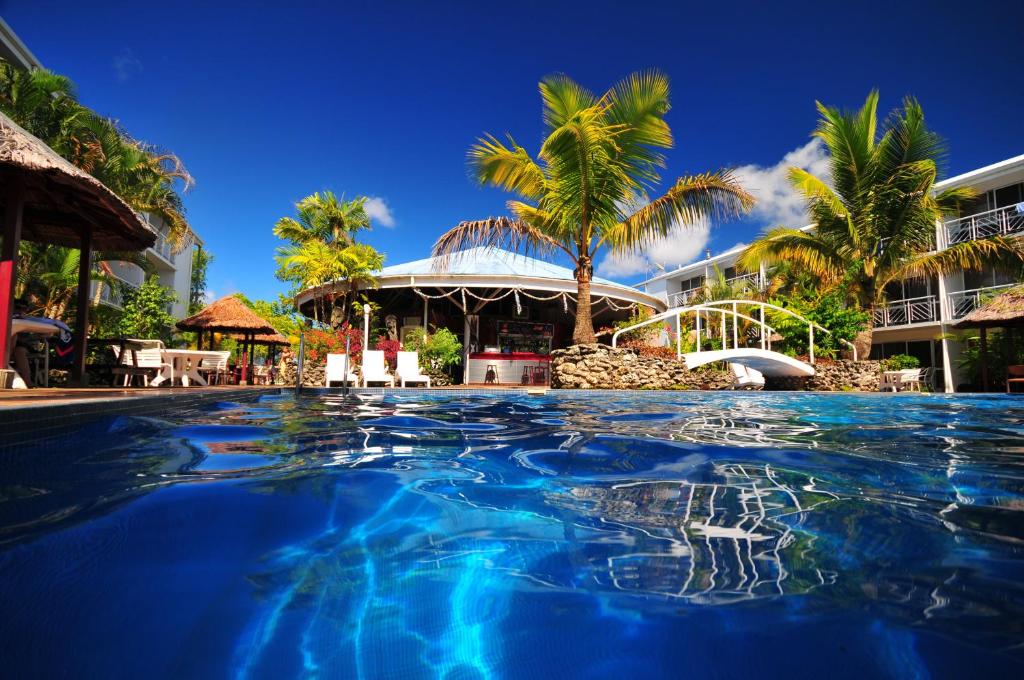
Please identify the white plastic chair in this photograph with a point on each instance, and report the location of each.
(745, 378)
(216, 368)
(910, 379)
(335, 371)
(374, 368)
(408, 369)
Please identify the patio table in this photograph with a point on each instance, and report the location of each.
(185, 363)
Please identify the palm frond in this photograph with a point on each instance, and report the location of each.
(508, 168)
(1001, 253)
(806, 250)
(712, 196)
(562, 99)
(494, 232)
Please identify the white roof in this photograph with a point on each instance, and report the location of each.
(487, 262)
(493, 268)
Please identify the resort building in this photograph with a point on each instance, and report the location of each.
(173, 269)
(917, 316)
(509, 310)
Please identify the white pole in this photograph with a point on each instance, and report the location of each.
(763, 333)
(725, 343)
(366, 326)
(735, 328)
(679, 335)
(810, 334)
(698, 330)
(465, 348)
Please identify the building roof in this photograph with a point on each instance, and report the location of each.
(61, 199)
(487, 261)
(1003, 310)
(490, 268)
(227, 315)
(14, 50)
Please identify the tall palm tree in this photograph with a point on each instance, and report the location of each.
(875, 215)
(589, 187)
(325, 217)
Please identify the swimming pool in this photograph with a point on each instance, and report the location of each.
(465, 536)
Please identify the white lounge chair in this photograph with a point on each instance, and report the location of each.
(374, 368)
(746, 378)
(336, 371)
(147, 362)
(409, 369)
(215, 368)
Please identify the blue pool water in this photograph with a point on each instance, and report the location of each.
(466, 537)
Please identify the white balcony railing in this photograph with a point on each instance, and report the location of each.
(163, 248)
(963, 302)
(905, 312)
(998, 222)
(686, 297)
(683, 298)
(752, 281)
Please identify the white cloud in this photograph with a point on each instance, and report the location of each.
(379, 212)
(683, 245)
(126, 65)
(777, 202)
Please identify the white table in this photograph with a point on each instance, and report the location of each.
(185, 365)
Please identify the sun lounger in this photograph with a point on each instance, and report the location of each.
(335, 372)
(409, 369)
(375, 370)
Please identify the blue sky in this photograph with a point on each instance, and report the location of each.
(268, 102)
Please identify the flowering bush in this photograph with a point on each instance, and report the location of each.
(390, 349)
(321, 343)
(643, 349)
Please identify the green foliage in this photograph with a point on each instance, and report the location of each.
(590, 184)
(875, 213)
(147, 178)
(145, 311)
(438, 350)
(280, 313)
(1001, 354)
(829, 310)
(201, 259)
(320, 343)
(898, 362)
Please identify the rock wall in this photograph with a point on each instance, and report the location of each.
(834, 376)
(606, 368)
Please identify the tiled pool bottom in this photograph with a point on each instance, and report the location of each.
(460, 536)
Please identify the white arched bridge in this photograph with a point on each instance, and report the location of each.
(727, 316)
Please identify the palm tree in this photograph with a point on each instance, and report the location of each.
(325, 217)
(589, 187)
(876, 214)
(314, 263)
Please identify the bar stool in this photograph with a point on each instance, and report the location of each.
(491, 375)
(540, 375)
(525, 380)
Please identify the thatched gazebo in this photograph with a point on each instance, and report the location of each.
(1003, 311)
(230, 316)
(48, 200)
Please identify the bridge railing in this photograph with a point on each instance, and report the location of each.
(729, 309)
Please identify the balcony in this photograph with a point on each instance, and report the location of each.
(906, 312)
(163, 248)
(963, 302)
(683, 298)
(998, 222)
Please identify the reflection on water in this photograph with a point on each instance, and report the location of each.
(481, 537)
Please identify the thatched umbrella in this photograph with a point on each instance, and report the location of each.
(1003, 311)
(229, 315)
(48, 200)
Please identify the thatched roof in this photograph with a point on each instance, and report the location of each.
(1003, 310)
(265, 339)
(227, 315)
(61, 199)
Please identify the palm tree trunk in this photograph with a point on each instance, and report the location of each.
(583, 334)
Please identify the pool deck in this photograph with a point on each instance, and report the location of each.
(30, 417)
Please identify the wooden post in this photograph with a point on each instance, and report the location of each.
(983, 357)
(78, 374)
(245, 361)
(15, 201)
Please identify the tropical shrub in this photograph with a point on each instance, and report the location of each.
(145, 312)
(437, 350)
(646, 350)
(320, 343)
(828, 311)
(898, 362)
(390, 349)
